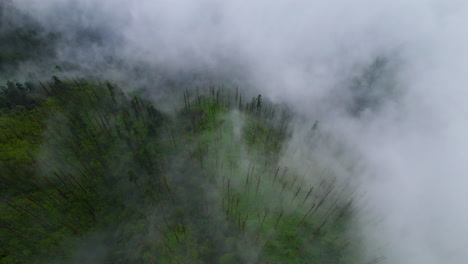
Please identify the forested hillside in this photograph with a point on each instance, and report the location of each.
(232, 132)
(93, 173)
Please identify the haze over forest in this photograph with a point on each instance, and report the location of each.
(233, 131)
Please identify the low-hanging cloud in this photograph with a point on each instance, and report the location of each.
(308, 54)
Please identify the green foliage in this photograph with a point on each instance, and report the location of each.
(57, 160)
(18, 94)
(205, 187)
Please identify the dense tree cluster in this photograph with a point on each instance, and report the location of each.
(88, 159)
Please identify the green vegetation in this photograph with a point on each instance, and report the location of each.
(92, 175)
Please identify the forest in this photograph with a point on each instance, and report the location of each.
(233, 132)
(86, 165)
(92, 172)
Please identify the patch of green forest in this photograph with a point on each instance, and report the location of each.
(90, 174)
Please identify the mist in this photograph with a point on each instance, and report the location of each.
(405, 126)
